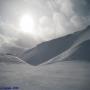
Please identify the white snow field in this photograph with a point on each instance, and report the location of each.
(68, 75)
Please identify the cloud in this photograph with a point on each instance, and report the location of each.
(67, 8)
(67, 16)
(79, 21)
(46, 27)
(81, 8)
(55, 18)
(6, 42)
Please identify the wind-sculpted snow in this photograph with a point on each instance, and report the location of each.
(57, 76)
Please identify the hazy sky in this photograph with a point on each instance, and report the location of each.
(53, 18)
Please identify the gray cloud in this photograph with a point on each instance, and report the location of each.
(68, 16)
(54, 18)
(12, 37)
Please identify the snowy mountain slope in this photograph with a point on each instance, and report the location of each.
(12, 49)
(10, 59)
(82, 52)
(84, 36)
(47, 50)
(58, 48)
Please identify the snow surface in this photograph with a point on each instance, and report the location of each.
(69, 75)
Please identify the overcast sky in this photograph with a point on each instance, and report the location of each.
(53, 18)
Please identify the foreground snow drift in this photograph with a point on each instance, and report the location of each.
(68, 75)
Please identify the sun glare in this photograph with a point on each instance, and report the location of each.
(27, 24)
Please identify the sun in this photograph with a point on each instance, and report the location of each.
(27, 24)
